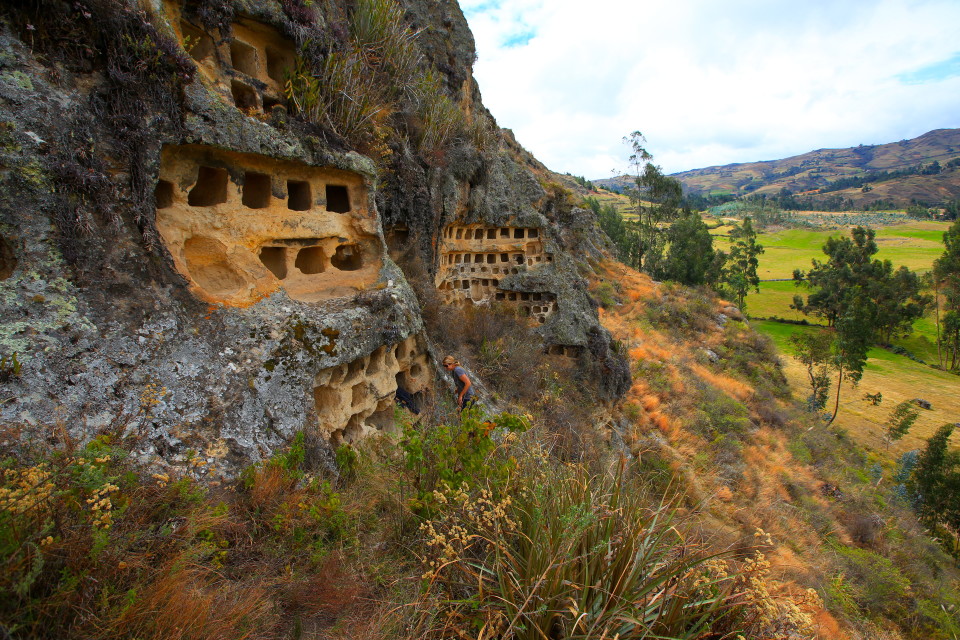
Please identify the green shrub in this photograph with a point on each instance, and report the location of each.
(456, 455)
(875, 583)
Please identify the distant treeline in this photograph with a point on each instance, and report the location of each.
(788, 201)
(931, 169)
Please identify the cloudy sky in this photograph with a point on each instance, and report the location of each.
(711, 82)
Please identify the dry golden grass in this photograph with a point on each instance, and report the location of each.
(732, 387)
(897, 381)
(756, 500)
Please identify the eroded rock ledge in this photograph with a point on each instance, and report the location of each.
(211, 276)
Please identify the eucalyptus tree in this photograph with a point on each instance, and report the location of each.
(946, 279)
(657, 200)
(742, 263)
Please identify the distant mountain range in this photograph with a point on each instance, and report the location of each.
(923, 170)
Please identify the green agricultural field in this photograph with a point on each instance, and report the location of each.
(622, 203)
(913, 244)
(896, 377)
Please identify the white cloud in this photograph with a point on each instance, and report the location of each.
(712, 83)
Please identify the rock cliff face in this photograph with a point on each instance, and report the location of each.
(185, 259)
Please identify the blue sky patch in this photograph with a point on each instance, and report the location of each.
(482, 7)
(519, 39)
(933, 72)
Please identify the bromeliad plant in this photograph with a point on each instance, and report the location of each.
(564, 555)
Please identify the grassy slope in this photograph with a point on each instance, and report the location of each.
(679, 395)
(622, 203)
(896, 377)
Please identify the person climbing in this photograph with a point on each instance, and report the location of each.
(465, 395)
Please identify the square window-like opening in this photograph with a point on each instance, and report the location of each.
(256, 190)
(310, 260)
(491, 258)
(210, 189)
(533, 233)
(244, 95)
(468, 234)
(504, 257)
(347, 258)
(459, 234)
(198, 44)
(504, 233)
(359, 394)
(491, 234)
(244, 58)
(275, 259)
(518, 233)
(163, 194)
(299, 197)
(338, 198)
(278, 64)
(269, 103)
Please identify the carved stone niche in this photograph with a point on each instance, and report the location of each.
(538, 306)
(565, 351)
(356, 399)
(473, 260)
(240, 226)
(251, 65)
(496, 251)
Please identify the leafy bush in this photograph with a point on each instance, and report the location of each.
(456, 455)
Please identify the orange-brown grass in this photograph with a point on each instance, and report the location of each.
(735, 388)
(194, 604)
(757, 499)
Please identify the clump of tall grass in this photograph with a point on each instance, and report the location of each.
(564, 554)
(355, 90)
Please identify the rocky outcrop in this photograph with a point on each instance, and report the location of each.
(184, 261)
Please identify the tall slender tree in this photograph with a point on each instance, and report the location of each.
(743, 261)
(946, 276)
(657, 199)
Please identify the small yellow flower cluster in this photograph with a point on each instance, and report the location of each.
(489, 515)
(464, 523)
(24, 489)
(161, 478)
(781, 616)
(80, 462)
(46, 541)
(101, 506)
(713, 570)
(763, 537)
(151, 395)
(753, 585)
